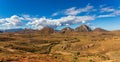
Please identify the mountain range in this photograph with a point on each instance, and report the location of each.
(47, 30)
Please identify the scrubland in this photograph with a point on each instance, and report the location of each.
(57, 47)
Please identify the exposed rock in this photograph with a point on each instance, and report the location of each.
(83, 28)
(66, 30)
(47, 30)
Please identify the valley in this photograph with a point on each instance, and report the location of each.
(67, 45)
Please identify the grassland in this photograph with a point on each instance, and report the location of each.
(56, 47)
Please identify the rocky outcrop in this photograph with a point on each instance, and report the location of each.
(83, 28)
(47, 30)
(66, 30)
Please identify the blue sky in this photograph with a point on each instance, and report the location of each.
(58, 14)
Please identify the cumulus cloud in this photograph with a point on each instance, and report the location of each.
(13, 21)
(2, 21)
(43, 22)
(72, 16)
(63, 21)
(38, 23)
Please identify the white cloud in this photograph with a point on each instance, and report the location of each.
(2, 21)
(13, 21)
(107, 9)
(106, 15)
(74, 11)
(43, 22)
(63, 21)
(71, 17)
(117, 12)
(26, 17)
(108, 12)
(55, 14)
(113, 14)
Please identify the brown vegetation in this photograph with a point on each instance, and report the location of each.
(60, 47)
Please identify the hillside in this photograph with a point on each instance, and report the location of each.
(99, 30)
(47, 30)
(66, 30)
(80, 46)
(83, 28)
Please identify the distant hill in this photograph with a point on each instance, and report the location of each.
(26, 31)
(67, 30)
(83, 28)
(115, 31)
(47, 30)
(99, 30)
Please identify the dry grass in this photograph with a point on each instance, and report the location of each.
(75, 47)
